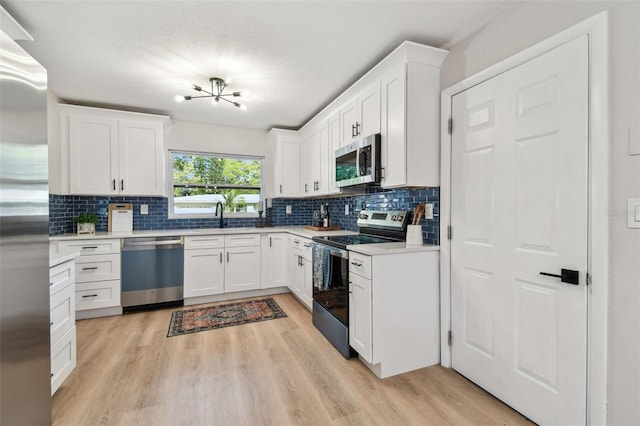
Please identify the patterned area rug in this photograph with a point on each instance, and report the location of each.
(201, 319)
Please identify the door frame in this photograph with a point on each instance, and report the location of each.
(596, 28)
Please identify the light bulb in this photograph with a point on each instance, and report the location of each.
(179, 98)
(243, 107)
(196, 88)
(246, 93)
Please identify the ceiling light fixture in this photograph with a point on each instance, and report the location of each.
(217, 87)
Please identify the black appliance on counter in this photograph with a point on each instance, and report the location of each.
(331, 271)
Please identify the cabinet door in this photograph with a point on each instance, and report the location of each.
(313, 161)
(288, 165)
(242, 269)
(93, 155)
(348, 120)
(334, 145)
(305, 172)
(203, 272)
(306, 290)
(369, 111)
(292, 264)
(141, 158)
(274, 254)
(298, 278)
(393, 146)
(360, 337)
(324, 160)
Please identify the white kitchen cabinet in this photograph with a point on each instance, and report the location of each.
(394, 314)
(286, 163)
(360, 117)
(215, 264)
(274, 256)
(333, 133)
(319, 160)
(62, 321)
(410, 142)
(97, 275)
(203, 272)
(242, 270)
(360, 321)
(300, 273)
(305, 168)
(114, 152)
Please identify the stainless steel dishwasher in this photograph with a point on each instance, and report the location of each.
(152, 271)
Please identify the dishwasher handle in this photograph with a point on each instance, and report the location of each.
(152, 243)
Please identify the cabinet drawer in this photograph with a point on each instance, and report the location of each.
(98, 268)
(61, 276)
(101, 294)
(204, 242)
(242, 240)
(89, 246)
(62, 315)
(360, 264)
(63, 358)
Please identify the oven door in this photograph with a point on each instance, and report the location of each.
(331, 280)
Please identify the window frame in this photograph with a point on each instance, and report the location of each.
(236, 215)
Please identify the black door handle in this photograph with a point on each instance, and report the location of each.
(568, 276)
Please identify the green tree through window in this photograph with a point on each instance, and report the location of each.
(202, 180)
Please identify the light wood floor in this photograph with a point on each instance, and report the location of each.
(277, 372)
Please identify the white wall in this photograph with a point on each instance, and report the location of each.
(519, 25)
(200, 137)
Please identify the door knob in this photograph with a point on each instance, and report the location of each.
(568, 276)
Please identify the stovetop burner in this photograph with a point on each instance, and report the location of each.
(375, 227)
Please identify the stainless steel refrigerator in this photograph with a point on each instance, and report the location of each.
(25, 365)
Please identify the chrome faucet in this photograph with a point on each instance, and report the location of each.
(219, 204)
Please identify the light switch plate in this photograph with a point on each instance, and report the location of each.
(288, 209)
(346, 209)
(633, 213)
(144, 209)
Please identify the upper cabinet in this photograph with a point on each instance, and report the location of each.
(398, 98)
(360, 117)
(114, 152)
(287, 163)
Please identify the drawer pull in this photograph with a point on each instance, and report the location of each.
(296, 241)
(358, 264)
(90, 268)
(89, 247)
(307, 245)
(90, 295)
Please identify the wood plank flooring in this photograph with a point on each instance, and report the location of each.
(277, 372)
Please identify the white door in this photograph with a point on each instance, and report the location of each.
(275, 253)
(203, 272)
(360, 317)
(369, 111)
(519, 208)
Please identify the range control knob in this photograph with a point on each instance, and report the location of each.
(363, 216)
(400, 217)
(393, 217)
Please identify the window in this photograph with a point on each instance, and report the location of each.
(200, 181)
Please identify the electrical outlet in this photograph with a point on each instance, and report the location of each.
(428, 211)
(288, 209)
(144, 209)
(346, 209)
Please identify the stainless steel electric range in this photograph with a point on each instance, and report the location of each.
(331, 271)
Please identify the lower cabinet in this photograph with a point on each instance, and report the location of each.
(394, 310)
(274, 260)
(216, 265)
(300, 270)
(97, 275)
(62, 322)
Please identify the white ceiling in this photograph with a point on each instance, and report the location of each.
(293, 56)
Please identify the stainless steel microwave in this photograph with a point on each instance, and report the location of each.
(359, 162)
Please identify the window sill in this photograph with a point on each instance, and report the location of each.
(212, 217)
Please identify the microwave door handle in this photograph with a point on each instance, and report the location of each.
(363, 172)
(358, 162)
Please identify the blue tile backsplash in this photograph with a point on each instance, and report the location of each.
(63, 209)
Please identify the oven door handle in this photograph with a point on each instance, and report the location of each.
(344, 254)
